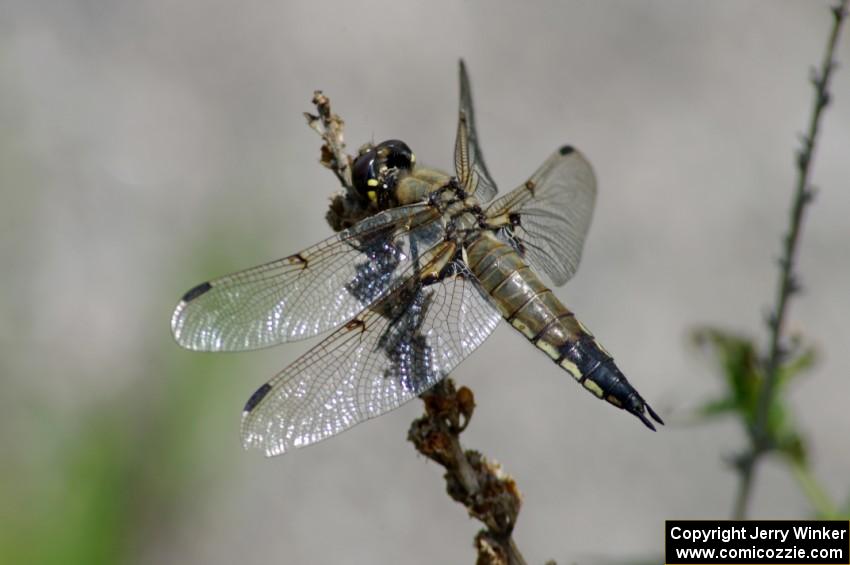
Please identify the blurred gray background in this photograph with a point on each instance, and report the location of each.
(147, 146)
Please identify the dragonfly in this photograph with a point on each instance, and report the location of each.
(430, 264)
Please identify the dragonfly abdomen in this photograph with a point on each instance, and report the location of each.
(531, 308)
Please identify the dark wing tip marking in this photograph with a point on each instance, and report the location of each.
(196, 292)
(566, 149)
(255, 399)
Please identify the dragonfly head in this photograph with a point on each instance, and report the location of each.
(378, 168)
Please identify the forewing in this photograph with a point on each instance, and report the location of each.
(550, 214)
(384, 357)
(310, 292)
(470, 168)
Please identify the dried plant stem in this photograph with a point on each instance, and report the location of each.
(489, 494)
(330, 126)
(788, 281)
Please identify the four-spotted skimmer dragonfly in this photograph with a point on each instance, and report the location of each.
(410, 291)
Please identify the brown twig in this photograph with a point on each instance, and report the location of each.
(346, 208)
(488, 493)
(788, 281)
(330, 126)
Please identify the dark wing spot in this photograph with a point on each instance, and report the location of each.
(354, 324)
(196, 292)
(297, 259)
(566, 150)
(529, 184)
(257, 397)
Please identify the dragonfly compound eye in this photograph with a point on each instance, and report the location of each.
(376, 171)
(364, 173)
(395, 154)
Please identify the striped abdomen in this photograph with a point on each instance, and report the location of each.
(532, 309)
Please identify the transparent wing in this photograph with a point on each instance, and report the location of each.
(384, 357)
(470, 168)
(549, 215)
(310, 292)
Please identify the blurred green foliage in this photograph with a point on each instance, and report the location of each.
(741, 365)
(103, 486)
(744, 379)
(756, 382)
(109, 480)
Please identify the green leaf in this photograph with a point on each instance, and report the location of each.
(792, 445)
(738, 360)
(823, 506)
(797, 365)
(718, 407)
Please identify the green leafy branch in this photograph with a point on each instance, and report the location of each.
(756, 382)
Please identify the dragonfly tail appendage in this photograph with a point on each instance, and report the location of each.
(646, 421)
(609, 383)
(652, 413)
